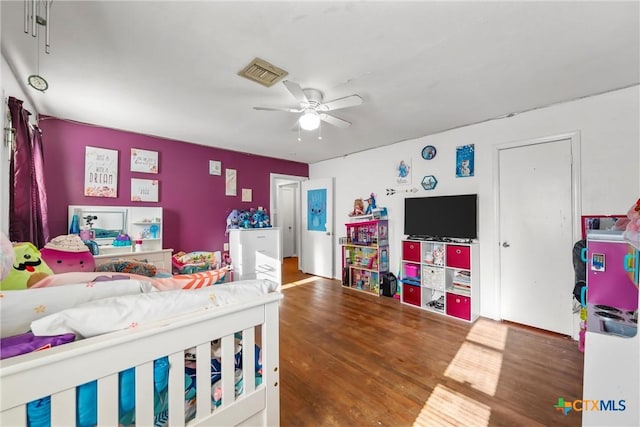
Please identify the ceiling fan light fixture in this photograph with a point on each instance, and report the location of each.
(310, 120)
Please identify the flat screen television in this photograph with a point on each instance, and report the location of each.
(442, 217)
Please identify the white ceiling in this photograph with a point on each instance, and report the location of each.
(170, 69)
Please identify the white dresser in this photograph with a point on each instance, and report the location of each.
(256, 253)
(161, 259)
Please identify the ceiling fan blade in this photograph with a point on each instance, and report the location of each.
(347, 101)
(296, 91)
(289, 110)
(333, 120)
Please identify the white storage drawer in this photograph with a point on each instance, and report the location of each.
(256, 253)
(160, 259)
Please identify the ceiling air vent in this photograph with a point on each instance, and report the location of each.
(262, 72)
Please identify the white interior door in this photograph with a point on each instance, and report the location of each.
(536, 234)
(287, 204)
(316, 255)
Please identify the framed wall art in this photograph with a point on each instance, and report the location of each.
(231, 182)
(215, 167)
(429, 152)
(100, 172)
(429, 182)
(465, 161)
(403, 172)
(144, 161)
(144, 190)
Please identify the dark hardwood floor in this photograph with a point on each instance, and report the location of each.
(352, 359)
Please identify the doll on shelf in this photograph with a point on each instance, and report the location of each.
(358, 208)
(438, 255)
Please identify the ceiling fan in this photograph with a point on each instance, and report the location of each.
(313, 109)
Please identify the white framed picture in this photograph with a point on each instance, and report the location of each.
(144, 190)
(100, 172)
(215, 167)
(231, 182)
(403, 172)
(144, 161)
(247, 195)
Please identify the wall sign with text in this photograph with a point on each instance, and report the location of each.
(100, 172)
(144, 161)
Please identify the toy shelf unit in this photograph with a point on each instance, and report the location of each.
(106, 223)
(365, 255)
(441, 277)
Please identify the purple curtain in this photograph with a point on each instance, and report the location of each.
(27, 195)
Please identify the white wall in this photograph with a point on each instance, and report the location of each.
(609, 126)
(10, 87)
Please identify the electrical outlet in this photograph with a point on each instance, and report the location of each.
(225, 247)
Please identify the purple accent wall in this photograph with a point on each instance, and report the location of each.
(194, 205)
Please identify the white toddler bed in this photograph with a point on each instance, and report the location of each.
(57, 371)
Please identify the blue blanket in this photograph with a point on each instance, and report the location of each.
(39, 411)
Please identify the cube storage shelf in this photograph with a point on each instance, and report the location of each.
(365, 255)
(442, 277)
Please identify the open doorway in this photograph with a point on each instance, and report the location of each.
(285, 212)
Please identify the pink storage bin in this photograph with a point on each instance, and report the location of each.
(411, 270)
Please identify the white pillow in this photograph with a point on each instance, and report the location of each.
(19, 308)
(112, 314)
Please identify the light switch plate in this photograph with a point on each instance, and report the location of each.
(225, 247)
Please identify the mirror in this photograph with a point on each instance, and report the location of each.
(599, 222)
(106, 222)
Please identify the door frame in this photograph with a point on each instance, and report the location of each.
(576, 195)
(274, 180)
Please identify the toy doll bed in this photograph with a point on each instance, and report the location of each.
(183, 345)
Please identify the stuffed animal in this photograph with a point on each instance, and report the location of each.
(28, 268)
(438, 255)
(358, 207)
(243, 220)
(68, 253)
(265, 222)
(255, 220)
(232, 220)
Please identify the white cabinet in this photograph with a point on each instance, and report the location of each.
(256, 253)
(441, 277)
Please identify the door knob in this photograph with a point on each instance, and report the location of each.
(506, 245)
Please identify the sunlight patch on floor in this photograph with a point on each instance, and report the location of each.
(477, 366)
(299, 282)
(491, 334)
(446, 407)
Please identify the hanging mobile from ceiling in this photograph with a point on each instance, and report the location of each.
(33, 18)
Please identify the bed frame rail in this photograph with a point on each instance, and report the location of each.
(58, 371)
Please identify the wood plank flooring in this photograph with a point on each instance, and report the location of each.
(352, 359)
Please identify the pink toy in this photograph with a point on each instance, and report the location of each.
(66, 254)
